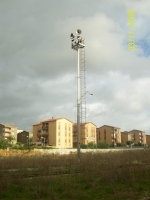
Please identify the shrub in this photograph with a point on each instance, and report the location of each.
(91, 145)
(102, 145)
(83, 146)
(120, 144)
(129, 142)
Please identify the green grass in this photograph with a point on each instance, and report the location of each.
(60, 188)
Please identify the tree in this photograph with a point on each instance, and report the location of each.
(4, 144)
(10, 138)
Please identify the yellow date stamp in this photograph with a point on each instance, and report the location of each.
(131, 25)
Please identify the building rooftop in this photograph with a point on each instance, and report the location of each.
(51, 120)
(9, 125)
(82, 124)
(109, 126)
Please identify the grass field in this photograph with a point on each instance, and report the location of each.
(122, 175)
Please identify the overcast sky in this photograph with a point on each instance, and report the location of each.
(38, 68)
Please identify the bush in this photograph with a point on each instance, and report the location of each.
(120, 144)
(83, 146)
(129, 142)
(102, 145)
(91, 145)
(138, 144)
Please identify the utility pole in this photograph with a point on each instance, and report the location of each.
(77, 43)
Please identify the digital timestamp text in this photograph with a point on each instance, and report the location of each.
(131, 26)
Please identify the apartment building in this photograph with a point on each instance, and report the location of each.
(148, 140)
(54, 132)
(109, 134)
(24, 137)
(87, 133)
(7, 130)
(138, 136)
(125, 136)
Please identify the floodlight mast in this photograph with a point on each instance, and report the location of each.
(77, 43)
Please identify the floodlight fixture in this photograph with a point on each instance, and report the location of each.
(78, 31)
(72, 35)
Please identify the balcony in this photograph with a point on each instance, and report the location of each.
(44, 127)
(6, 135)
(6, 130)
(41, 134)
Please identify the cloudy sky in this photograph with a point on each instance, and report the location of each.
(38, 68)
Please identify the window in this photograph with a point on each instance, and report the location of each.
(99, 135)
(69, 127)
(104, 134)
(65, 126)
(58, 125)
(59, 141)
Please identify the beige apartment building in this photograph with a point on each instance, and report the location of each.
(148, 140)
(7, 130)
(54, 132)
(125, 136)
(87, 133)
(138, 136)
(109, 134)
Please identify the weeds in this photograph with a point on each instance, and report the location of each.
(113, 175)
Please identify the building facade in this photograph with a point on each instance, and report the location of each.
(8, 130)
(109, 134)
(25, 137)
(138, 136)
(125, 136)
(87, 133)
(54, 132)
(148, 140)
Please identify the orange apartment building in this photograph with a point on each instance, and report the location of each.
(138, 136)
(87, 133)
(148, 140)
(55, 132)
(7, 130)
(109, 134)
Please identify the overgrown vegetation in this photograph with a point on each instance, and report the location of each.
(91, 145)
(121, 175)
(4, 144)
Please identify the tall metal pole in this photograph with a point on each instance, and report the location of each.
(78, 107)
(76, 43)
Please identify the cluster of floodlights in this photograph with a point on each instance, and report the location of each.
(76, 40)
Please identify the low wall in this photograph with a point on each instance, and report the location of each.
(74, 151)
(12, 152)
